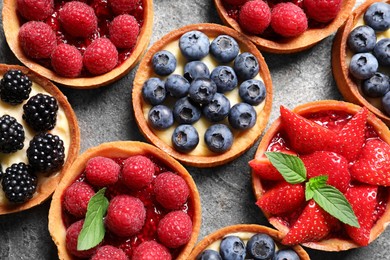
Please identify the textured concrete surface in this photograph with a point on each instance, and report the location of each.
(106, 115)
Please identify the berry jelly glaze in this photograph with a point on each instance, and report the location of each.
(154, 212)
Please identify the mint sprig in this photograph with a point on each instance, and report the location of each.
(93, 229)
(290, 167)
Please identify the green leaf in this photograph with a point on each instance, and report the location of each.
(313, 184)
(93, 229)
(334, 202)
(290, 167)
(309, 192)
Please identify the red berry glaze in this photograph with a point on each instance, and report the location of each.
(235, 2)
(102, 171)
(109, 252)
(100, 57)
(123, 6)
(72, 234)
(137, 172)
(151, 250)
(174, 229)
(322, 10)
(37, 10)
(124, 30)
(67, 60)
(254, 17)
(76, 198)
(288, 20)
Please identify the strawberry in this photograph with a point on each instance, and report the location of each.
(284, 197)
(373, 165)
(264, 168)
(363, 201)
(331, 164)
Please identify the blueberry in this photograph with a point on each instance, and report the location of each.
(218, 139)
(382, 52)
(164, 63)
(224, 48)
(386, 103)
(153, 91)
(194, 45)
(362, 39)
(246, 66)
(260, 247)
(160, 117)
(232, 248)
(185, 112)
(195, 70)
(217, 109)
(363, 65)
(377, 16)
(252, 91)
(209, 254)
(286, 254)
(202, 90)
(376, 86)
(224, 77)
(185, 138)
(177, 86)
(242, 116)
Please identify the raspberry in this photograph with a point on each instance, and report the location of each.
(102, 171)
(174, 229)
(37, 39)
(137, 172)
(19, 183)
(11, 134)
(76, 198)
(322, 10)
(254, 17)
(150, 250)
(124, 30)
(40, 112)
(15, 87)
(125, 215)
(100, 56)
(78, 19)
(109, 252)
(235, 2)
(72, 234)
(37, 10)
(123, 6)
(67, 60)
(171, 190)
(288, 20)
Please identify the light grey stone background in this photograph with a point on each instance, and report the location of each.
(106, 114)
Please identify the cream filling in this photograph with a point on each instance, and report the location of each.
(202, 124)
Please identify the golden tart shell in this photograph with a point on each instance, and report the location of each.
(11, 25)
(244, 140)
(119, 149)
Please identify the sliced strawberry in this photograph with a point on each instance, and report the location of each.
(284, 197)
(265, 169)
(363, 201)
(312, 225)
(331, 164)
(373, 165)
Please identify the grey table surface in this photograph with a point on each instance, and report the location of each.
(106, 114)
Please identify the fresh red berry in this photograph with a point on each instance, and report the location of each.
(101, 56)
(37, 10)
(67, 60)
(235, 2)
(101, 171)
(254, 16)
(171, 190)
(123, 6)
(125, 215)
(137, 172)
(174, 229)
(76, 198)
(151, 250)
(72, 234)
(109, 252)
(288, 20)
(265, 170)
(78, 19)
(124, 30)
(37, 39)
(322, 10)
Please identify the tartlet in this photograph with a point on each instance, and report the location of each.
(46, 184)
(349, 87)
(243, 140)
(330, 243)
(12, 24)
(119, 150)
(295, 44)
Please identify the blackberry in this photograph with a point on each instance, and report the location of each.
(40, 112)
(15, 87)
(19, 183)
(11, 134)
(46, 153)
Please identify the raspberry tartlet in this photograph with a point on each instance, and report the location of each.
(153, 205)
(65, 54)
(24, 154)
(291, 42)
(349, 86)
(202, 94)
(351, 139)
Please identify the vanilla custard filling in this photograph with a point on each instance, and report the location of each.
(202, 124)
(61, 129)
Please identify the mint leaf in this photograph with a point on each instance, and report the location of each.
(309, 192)
(290, 167)
(313, 184)
(93, 229)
